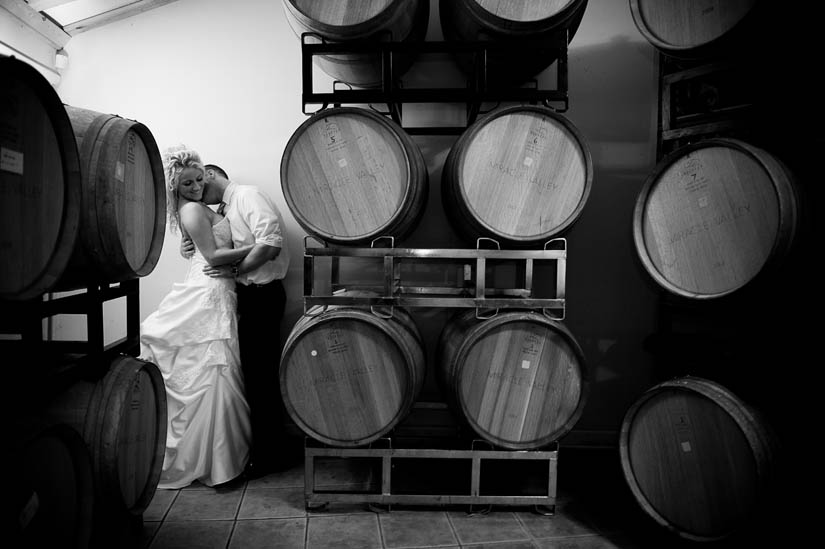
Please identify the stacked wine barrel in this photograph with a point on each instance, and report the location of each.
(519, 32)
(40, 180)
(122, 418)
(83, 204)
(52, 487)
(698, 459)
(519, 175)
(511, 29)
(356, 21)
(83, 192)
(715, 227)
(350, 175)
(518, 380)
(693, 30)
(715, 216)
(349, 376)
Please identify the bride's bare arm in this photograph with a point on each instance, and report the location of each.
(196, 221)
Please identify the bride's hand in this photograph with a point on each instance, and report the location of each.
(220, 271)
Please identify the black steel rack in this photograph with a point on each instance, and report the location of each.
(403, 473)
(25, 320)
(462, 280)
(391, 92)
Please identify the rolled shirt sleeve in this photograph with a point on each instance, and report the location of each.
(261, 217)
(255, 219)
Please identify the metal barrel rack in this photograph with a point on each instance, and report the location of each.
(23, 321)
(486, 278)
(392, 92)
(463, 277)
(462, 280)
(474, 471)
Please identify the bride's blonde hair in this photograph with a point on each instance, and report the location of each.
(175, 160)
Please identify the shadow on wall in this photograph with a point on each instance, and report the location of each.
(611, 302)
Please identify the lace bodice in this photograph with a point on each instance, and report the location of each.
(223, 236)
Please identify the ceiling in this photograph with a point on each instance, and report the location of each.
(76, 16)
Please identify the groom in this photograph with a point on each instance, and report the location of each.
(254, 219)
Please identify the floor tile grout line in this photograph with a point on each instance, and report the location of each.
(240, 501)
(452, 527)
(171, 503)
(380, 530)
(530, 536)
(154, 535)
(231, 533)
(237, 512)
(306, 530)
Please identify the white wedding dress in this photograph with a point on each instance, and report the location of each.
(193, 339)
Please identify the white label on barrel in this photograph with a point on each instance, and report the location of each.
(528, 161)
(342, 162)
(686, 446)
(119, 171)
(703, 201)
(525, 364)
(11, 161)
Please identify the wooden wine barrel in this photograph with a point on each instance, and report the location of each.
(523, 27)
(122, 418)
(697, 459)
(713, 215)
(123, 200)
(39, 183)
(51, 487)
(518, 379)
(521, 175)
(692, 28)
(350, 175)
(348, 376)
(360, 21)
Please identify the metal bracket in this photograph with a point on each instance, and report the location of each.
(403, 277)
(394, 94)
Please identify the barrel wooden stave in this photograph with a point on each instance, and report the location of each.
(349, 376)
(358, 21)
(52, 490)
(698, 460)
(518, 379)
(522, 25)
(350, 176)
(123, 204)
(122, 417)
(692, 28)
(715, 216)
(521, 175)
(41, 184)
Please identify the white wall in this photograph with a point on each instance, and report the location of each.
(224, 78)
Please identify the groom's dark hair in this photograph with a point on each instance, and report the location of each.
(217, 169)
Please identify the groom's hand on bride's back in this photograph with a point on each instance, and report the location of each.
(187, 247)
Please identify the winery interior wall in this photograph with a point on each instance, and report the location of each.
(225, 79)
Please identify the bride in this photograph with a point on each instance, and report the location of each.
(193, 338)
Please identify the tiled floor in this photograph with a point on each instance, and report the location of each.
(594, 510)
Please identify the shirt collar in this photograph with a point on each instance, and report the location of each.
(228, 193)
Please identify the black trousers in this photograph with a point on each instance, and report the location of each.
(260, 311)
